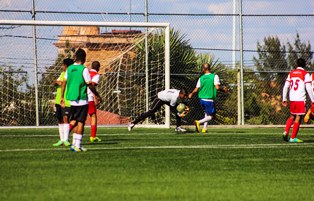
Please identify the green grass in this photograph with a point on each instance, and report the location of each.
(157, 164)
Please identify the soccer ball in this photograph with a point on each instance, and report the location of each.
(181, 107)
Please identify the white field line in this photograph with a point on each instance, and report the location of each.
(146, 134)
(241, 146)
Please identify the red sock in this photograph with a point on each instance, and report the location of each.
(296, 126)
(93, 130)
(71, 127)
(288, 125)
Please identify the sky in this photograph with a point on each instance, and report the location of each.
(209, 32)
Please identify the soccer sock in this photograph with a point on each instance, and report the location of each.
(288, 125)
(77, 138)
(66, 131)
(205, 123)
(93, 130)
(296, 126)
(71, 127)
(206, 119)
(61, 131)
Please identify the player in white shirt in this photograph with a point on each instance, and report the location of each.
(297, 83)
(170, 97)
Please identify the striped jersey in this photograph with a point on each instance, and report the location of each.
(296, 80)
(95, 81)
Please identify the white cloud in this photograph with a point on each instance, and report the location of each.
(221, 8)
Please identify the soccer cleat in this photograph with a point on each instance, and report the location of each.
(77, 149)
(66, 143)
(94, 139)
(180, 129)
(204, 130)
(307, 116)
(130, 126)
(295, 140)
(59, 143)
(197, 126)
(285, 137)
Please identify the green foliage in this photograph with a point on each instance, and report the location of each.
(299, 49)
(15, 97)
(273, 62)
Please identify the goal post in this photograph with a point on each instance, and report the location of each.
(118, 46)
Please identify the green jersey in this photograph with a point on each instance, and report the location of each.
(76, 85)
(58, 96)
(207, 89)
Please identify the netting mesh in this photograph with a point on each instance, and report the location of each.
(205, 27)
(122, 55)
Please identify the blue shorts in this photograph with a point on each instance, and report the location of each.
(208, 107)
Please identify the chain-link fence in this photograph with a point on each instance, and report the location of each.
(273, 37)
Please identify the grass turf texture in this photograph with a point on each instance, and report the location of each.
(157, 164)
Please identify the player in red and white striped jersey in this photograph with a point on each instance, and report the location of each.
(297, 83)
(310, 113)
(92, 102)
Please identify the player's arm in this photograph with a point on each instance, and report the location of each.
(285, 91)
(57, 82)
(222, 89)
(195, 90)
(89, 83)
(63, 85)
(308, 86)
(217, 85)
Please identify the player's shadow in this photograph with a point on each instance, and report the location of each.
(308, 141)
(101, 143)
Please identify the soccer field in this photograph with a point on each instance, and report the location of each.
(158, 164)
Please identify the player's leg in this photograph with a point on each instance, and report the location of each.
(295, 130)
(60, 125)
(204, 130)
(299, 110)
(289, 123)
(79, 114)
(209, 108)
(80, 117)
(66, 125)
(154, 108)
(93, 124)
(307, 116)
(178, 119)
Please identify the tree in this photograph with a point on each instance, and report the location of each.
(271, 60)
(274, 63)
(299, 50)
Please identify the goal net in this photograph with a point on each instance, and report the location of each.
(134, 59)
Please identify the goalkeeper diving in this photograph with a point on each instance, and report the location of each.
(172, 97)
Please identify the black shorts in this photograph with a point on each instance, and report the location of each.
(79, 113)
(61, 112)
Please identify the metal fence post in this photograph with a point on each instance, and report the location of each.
(35, 66)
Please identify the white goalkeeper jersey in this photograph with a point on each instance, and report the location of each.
(171, 96)
(297, 82)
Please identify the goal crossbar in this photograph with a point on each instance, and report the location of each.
(166, 27)
(82, 23)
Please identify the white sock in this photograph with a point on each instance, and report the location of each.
(205, 123)
(66, 131)
(206, 119)
(77, 138)
(61, 131)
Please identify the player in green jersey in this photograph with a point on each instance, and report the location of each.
(76, 81)
(207, 86)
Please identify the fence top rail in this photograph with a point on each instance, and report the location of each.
(83, 23)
